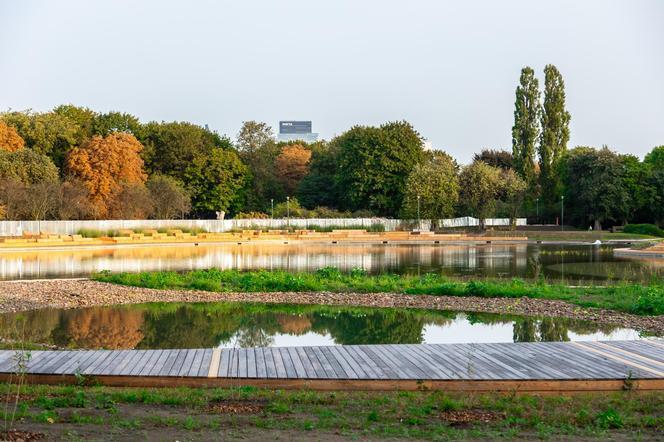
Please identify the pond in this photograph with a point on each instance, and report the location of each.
(553, 261)
(205, 325)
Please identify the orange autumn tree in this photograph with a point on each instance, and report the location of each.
(10, 140)
(105, 166)
(292, 165)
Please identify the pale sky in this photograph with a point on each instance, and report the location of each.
(450, 68)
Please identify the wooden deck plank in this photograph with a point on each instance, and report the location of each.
(270, 364)
(261, 364)
(153, 363)
(389, 372)
(310, 371)
(500, 362)
(225, 363)
(339, 371)
(641, 348)
(323, 368)
(301, 373)
(279, 363)
(251, 363)
(288, 363)
(368, 365)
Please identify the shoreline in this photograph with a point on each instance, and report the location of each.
(17, 296)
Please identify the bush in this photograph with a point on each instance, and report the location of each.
(644, 229)
(651, 302)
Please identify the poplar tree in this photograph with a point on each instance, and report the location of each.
(555, 132)
(525, 131)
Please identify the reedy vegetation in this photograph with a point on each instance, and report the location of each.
(633, 298)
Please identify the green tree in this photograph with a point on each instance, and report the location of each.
(83, 118)
(654, 163)
(319, 187)
(110, 122)
(595, 191)
(555, 132)
(496, 158)
(48, 133)
(436, 183)
(655, 158)
(512, 193)
(480, 187)
(259, 152)
(215, 181)
(374, 164)
(525, 131)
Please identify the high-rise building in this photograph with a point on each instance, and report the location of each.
(296, 130)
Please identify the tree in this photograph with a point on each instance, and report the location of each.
(480, 186)
(319, 187)
(292, 166)
(169, 197)
(10, 140)
(215, 181)
(374, 164)
(496, 158)
(82, 117)
(259, 152)
(110, 122)
(133, 201)
(436, 183)
(655, 158)
(526, 125)
(49, 133)
(26, 166)
(74, 202)
(555, 132)
(594, 188)
(512, 193)
(654, 163)
(104, 165)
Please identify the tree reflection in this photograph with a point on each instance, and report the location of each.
(541, 330)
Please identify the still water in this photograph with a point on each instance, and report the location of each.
(205, 325)
(555, 262)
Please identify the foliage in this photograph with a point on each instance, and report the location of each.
(512, 193)
(74, 200)
(26, 166)
(251, 215)
(48, 133)
(644, 229)
(480, 186)
(215, 181)
(319, 186)
(555, 132)
(436, 184)
(292, 166)
(104, 165)
(374, 164)
(132, 201)
(635, 298)
(10, 140)
(594, 189)
(655, 158)
(501, 159)
(259, 152)
(169, 198)
(525, 131)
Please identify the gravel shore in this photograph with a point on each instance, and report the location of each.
(29, 295)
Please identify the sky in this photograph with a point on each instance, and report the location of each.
(449, 68)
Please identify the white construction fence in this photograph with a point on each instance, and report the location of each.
(18, 228)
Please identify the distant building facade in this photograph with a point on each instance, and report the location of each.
(296, 130)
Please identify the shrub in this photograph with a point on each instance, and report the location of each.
(651, 302)
(644, 229)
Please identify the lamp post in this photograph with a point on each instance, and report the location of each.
(271, 208)
(537, 202)
(562, 212)
(419, 222)
(288, 211)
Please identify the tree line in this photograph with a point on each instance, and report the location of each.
(75, 163)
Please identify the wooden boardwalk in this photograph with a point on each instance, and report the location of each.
(535, 367)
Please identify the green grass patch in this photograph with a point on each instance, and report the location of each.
(634, 298)
(644, 229)
(353, 415)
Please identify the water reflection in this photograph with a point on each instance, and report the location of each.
(251, 325)
(493, 260)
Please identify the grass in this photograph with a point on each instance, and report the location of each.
(572, 235)
(96, 233)
(626, 297)
(164, 413)
(644, 229)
